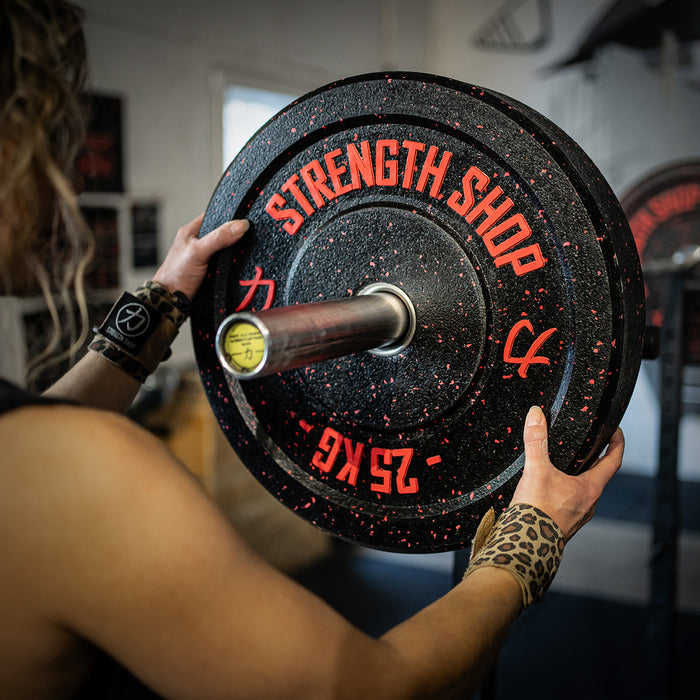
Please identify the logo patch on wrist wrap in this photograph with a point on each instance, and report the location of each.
(130, 323)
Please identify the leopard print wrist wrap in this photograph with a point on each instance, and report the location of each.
(174, 306)
(173, 309)
(526, 543)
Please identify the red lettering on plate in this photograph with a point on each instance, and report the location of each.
(352, 464)
(330, 444)
(530, 357)
(531, 255)
(406, 455)
(335, 171)
(437, 172)
(291, 217)
(314, 177)
(522, 231)
(379, 165)
(360, 166)
(523, 260)
(387, 172)
(484, 207)
(254, 285)
(413, 147)
(384, 474)
(463, 202)
(293, 189)
(386, 465)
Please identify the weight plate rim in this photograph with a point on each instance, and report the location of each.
(564, 151)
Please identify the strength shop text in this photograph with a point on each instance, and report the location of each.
(409, 165)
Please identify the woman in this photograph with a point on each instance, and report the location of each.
(113, 556)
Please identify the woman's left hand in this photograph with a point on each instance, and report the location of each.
(186, 263)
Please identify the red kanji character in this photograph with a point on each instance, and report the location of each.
(253, 285)
(530, 357)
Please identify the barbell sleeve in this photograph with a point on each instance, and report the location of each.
(380, 319)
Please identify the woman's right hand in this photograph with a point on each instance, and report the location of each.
(569, 500)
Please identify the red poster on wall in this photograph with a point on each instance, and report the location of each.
(100, 163)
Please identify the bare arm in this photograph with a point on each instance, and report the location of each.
(148, 569)
(93, 381)
(96, 382)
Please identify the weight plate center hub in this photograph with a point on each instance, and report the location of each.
(402, 248)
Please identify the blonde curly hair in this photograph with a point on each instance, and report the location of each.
(44, 241)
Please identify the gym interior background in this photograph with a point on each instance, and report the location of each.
(632, 110)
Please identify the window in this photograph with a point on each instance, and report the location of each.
(245, 111)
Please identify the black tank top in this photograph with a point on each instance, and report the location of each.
(108, 680)
(12, 397)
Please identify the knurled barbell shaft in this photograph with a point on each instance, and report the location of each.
(381, 319)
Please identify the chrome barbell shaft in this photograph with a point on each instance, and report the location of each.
(380, 318)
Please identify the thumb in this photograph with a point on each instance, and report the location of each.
(222, 237)
(535, 438)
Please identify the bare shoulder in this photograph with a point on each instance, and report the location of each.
(107, 536)
(101, 505)
(60, 452)
(87, 466)
(36, 428)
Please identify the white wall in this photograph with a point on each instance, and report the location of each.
(169, 59)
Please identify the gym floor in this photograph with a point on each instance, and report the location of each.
(587, 639)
